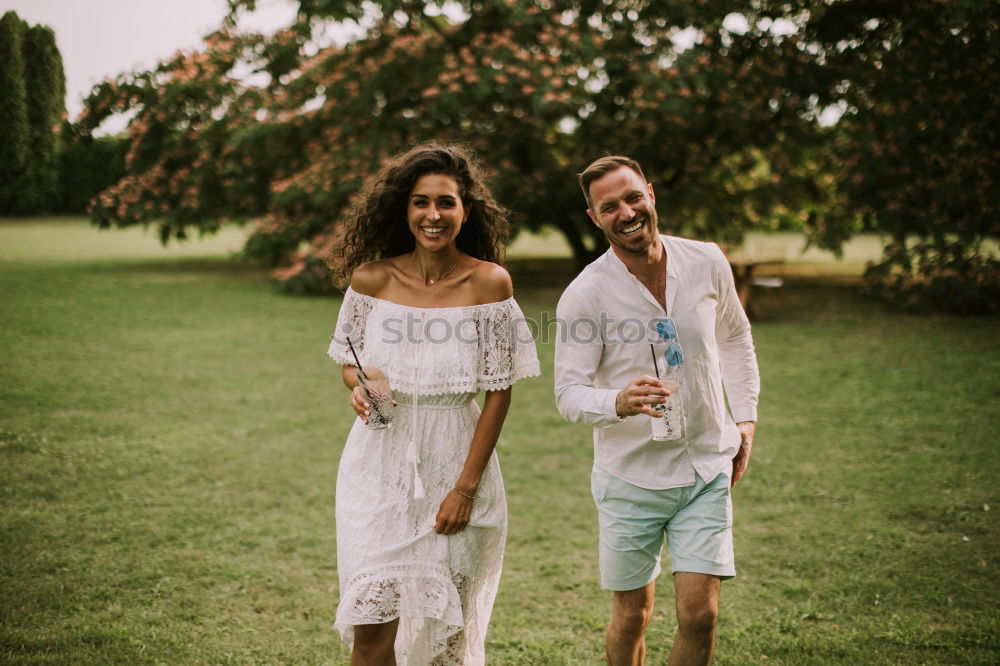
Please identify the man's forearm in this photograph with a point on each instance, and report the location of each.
(586, 404)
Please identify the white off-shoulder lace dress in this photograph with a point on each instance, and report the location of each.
(391, 563)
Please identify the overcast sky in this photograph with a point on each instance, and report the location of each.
(100, 38)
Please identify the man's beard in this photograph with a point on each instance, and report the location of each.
(641, 237)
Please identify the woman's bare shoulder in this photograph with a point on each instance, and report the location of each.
(371, 277)
(492, 283)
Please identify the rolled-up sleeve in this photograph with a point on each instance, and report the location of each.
(579, 348)
(737, 357)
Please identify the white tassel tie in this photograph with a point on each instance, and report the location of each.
(411, 458)
(413, 451)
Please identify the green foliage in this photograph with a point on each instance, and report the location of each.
(726, 129)
(88, 165)
(956, 278)
(918, 142)
(535, 92)
(46, 108)
(14, 128)
(32, 106)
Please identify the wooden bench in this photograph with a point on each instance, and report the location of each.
(744, 270)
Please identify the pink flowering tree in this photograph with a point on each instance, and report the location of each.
(718, 105)
(188, 165)
(538, 92)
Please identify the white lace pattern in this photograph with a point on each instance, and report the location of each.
(391, 564)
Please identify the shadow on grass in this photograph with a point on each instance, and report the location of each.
(215, 265)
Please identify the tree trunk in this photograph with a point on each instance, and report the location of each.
(582, 255)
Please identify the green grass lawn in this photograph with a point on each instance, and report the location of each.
(170, 429)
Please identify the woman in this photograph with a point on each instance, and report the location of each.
(421, 512)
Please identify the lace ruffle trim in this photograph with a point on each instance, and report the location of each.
(501, 362)
(464, 385)
(520, 372)
(404, 591)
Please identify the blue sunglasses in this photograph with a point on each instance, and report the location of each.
(673, 355)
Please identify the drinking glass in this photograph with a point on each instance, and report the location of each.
(670, 425)
(378, 393)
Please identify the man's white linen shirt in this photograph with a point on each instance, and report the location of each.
(606, 322)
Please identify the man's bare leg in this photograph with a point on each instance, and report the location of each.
(374, 644)
(697, 597)
(625, 641)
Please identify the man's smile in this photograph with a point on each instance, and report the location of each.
(633, 228)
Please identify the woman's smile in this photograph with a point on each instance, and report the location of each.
(434, 210)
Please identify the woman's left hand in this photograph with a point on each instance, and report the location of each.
(454, 513)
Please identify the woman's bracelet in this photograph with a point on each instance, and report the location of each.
(465, 495)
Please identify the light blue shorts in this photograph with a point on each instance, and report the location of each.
(697, 521)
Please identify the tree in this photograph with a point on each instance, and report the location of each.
(13, 114)
(919, 142)
(538, 93)
(87, 166)
(32, 106)
(725, 123)
(46, 95)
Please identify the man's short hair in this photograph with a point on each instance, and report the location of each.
(603, 166)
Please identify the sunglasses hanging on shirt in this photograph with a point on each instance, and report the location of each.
(667, 330)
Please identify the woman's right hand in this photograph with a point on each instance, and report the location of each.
(359, 403)
(359, 399)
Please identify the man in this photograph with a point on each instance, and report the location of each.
(669, 300)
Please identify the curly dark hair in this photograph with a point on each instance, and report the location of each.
(376, 228)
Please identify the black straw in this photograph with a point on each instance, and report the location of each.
(355, 354)
(652, 350)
